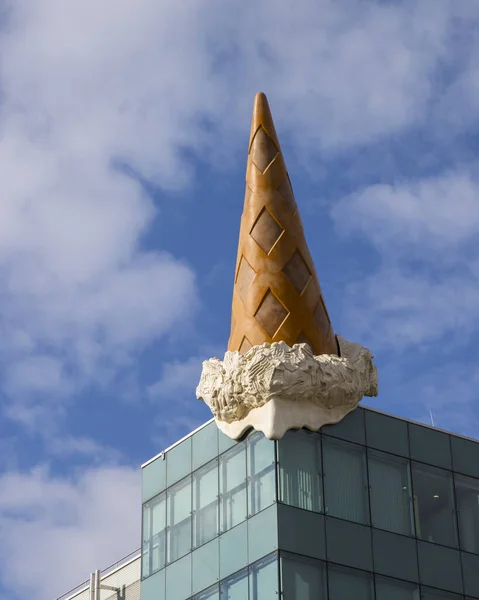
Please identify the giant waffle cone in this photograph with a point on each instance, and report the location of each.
(276, 296)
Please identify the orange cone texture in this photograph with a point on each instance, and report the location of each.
(276, 296)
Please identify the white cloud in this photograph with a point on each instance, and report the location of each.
(76, 446)
(81, 93)
(176, 388)
(69, 526)
(177, 378)
(438, 214)
(427, 282)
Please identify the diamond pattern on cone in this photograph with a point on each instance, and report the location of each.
(270, 314)
(245, 345)
(266, 231)
(287, 194)
(277, 296)
(297, 272)
(244, 279)
(263, 150)
(321, 316)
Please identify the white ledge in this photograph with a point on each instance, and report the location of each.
(273, 387)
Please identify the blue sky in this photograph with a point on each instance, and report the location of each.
(124, 130)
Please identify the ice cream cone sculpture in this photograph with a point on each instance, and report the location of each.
(276, 296)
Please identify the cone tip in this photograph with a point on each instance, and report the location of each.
(260, 102)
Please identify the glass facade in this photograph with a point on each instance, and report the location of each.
(374, 508)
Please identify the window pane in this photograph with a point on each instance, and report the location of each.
(263, 580)
(390, 490)
(261, 472)
(467, 496)
(300, 470)
(434, 505)
(205, 565)
(430, 594)
(233, 550)
(154, 535)
(145, 549)
(233, 487)
(212, 593)
(179, 519)
(205, 504)
(345, 481)
(349, 583)
(178, 579)
(302, 578)
(392, 589)
(236, 587)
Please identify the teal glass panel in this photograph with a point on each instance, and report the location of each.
(153, 588)
(395, 555)
(440, 567)
(145, 543)
(430, 594)
(430, 446)
(345, 480)
(212, 593)
(233, 550)
(302, 578)
(387, 433)
(205, 503)
(264, 579)
(390, 493)
(465, 456)
(233, 503)
(179, 519)
(153, 478)
(470, 573)
(262, 534)
(434, 505)
(349, 544)
(225, 442)
(301, 532)
(154, 535)
(235, 587)
(178, 462)
(261, 473)
(299, 456)
(467, 498)
(393, 589)
(204, 445)
(206, 565)
(178, 579)
(350, 428)
(349, 583)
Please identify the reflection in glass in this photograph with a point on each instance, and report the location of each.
(235, 587)
(263, 580)
(390, 493)
(261, 473)
(232, 487)
(345, 480)
(349, 583)
(300, 470)
(434, 505)
(467, 497)
(154, 535)
(302, 578)
(205, 504)
(179, 519)
(392, 589)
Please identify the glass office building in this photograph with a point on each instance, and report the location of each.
(375, 507)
